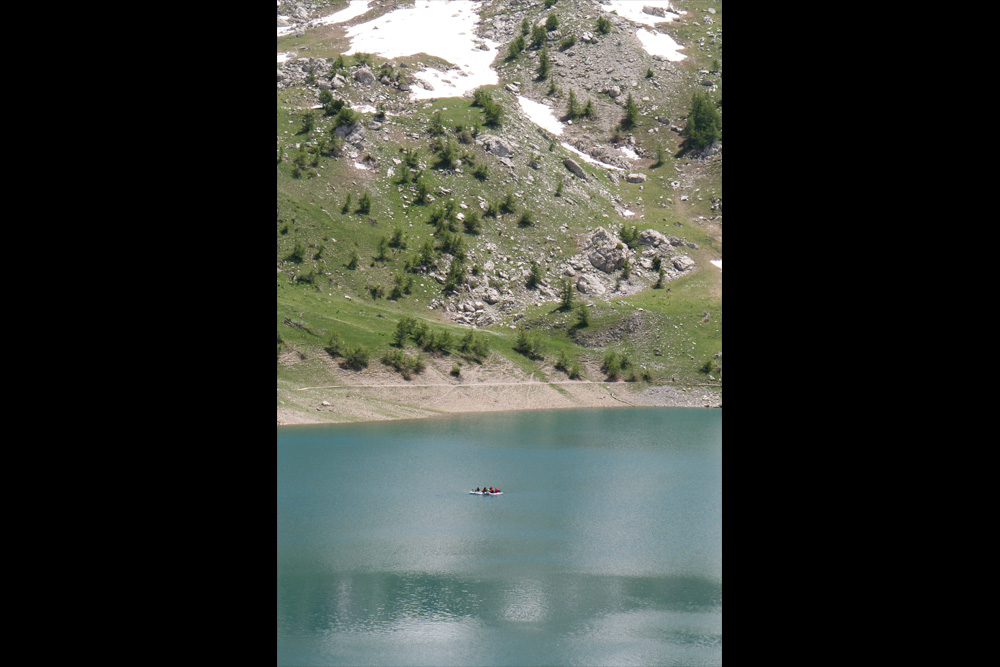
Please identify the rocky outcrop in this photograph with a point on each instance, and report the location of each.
(651, 237)
(495, 145)
(605, 251)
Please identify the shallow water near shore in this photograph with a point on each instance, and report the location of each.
(605, 548)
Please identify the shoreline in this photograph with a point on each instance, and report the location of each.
(336, 404)
(317, 389)
(486, 412)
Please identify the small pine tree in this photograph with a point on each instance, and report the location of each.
(515, 48)
(566, 295)
(631, 113)
(364, 204)
(534, 275)
(704, 124)
(471, 223)
(422, 191)
(543, 63)
(538, 36)
(572, 111)
(509, 204)
(357, 357)
(660, 156)
(308, 120)
(403, 329)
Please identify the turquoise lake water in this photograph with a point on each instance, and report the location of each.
(605, 548)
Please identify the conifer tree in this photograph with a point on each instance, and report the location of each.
(631, 113)
(543, 62)
(571, 109)
(704, 123)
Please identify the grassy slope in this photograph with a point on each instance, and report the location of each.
(675, 340)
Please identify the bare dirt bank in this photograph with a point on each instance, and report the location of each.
(378, 394)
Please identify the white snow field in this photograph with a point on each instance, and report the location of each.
(442, 28)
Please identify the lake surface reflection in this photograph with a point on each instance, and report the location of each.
(606, 547)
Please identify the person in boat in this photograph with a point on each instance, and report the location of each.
(477, 489)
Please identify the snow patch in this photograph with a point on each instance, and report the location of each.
(632, 10)
(356, 8)
(445, 29)
(660, 44)
(717, 262)
(587, 158)
(540, 115)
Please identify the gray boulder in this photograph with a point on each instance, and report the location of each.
(352, 134)
(653, 238)
(683, 263)
(364, 76)
(590, 285)
(575, 168)
(495, 145)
